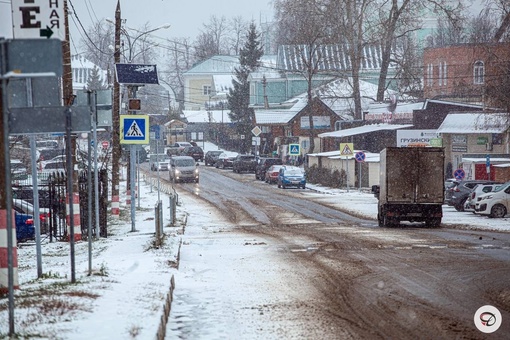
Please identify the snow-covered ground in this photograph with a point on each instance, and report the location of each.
(125, 295)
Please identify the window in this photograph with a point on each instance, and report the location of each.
(478, 72)
(442, 73)
(430, 74)
(207, 90)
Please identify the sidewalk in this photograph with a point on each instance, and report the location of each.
(125, 296)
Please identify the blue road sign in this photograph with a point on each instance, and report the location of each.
(134, 129)
(360, 156)
(294, 149)
(156, 130)
(487, 160)
(459, 174)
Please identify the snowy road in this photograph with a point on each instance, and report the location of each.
(254, 269)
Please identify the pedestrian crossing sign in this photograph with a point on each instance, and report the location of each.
(134, 129)
(346, 149)
(294, 149)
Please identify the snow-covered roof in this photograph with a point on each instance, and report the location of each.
(268, 68)
(222, 83)
(328, 57)
(364, 129)
(377, 108)
(203, 116)
(219, 64)
(274, 117)
(463, 123)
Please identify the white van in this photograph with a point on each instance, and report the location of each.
(495, 203)
(183, 168)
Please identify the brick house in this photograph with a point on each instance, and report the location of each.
(465, 71)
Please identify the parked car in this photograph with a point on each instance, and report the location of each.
(457, 195)
(53, 167)
(26, 193)
(47, 154)
(244, 163)
(264, 164)
(495, 203)
(474, 196)
(291, 176)
(25, 229)
(225, 160)
(193, 151)
(18, 168)
(271, 175)
(211, 157)
(183, 169)
(25, 207)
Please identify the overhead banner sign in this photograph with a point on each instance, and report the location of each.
(38, 19)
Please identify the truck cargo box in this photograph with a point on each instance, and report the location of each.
(411, 185)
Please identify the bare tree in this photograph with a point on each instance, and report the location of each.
(237, 27)
(179, 59)
(212, 39)
(482, 28)
(98, 44)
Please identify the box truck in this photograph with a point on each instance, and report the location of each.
(411, 186)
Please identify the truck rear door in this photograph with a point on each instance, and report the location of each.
(430, 182)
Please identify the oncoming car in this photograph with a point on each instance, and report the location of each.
(291, 176)
(183, 169)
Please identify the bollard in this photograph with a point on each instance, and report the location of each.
(160, 212)
(156, 219)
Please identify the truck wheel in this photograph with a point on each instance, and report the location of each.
(498, 211)
(389, 222)
(380, 221)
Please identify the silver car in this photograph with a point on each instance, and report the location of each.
(183, 169)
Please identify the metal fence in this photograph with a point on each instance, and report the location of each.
(52, 196)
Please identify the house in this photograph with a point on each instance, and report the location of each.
(82, 70)
(283, 127)
(465, 71)
(470, 139)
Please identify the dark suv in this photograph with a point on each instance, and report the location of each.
(244, 163)
(457, 195)
(211, 157)
(193, 151)
(264, 164)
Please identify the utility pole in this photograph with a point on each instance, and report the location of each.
(116, 121)
(72, 180)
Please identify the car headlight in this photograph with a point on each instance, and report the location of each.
(177, 172)
(196, 171)
(488, 197)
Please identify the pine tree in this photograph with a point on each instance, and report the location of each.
(94, 81)
(239, 96)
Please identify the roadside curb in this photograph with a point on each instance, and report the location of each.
(160, 335)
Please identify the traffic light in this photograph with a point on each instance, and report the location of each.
(134, 104)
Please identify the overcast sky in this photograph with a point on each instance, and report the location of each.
(185, 17)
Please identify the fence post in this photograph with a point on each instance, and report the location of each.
(158, 231)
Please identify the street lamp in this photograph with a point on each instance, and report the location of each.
(131, 40)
